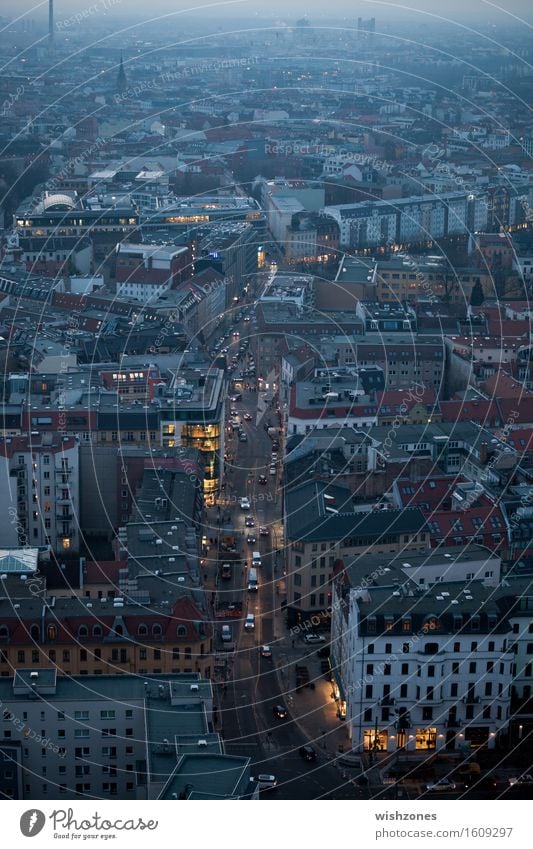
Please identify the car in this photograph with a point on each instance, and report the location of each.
(249, 622)
(244, 503)
(307, 753)
(266, 651)
(251, 539)
(247, 417)
(243, 437)
(275, 445)
(272, 470)
(441, 786)
(223, 350)
(233, 413)
(280, 712)
(262, 480)
(313, 639)
(263, 532)
(236, 397)
(527, 778)
(265, 782)
(249, 522)
(469, 768)
(273, 458)
(246, 318)
(236, 333)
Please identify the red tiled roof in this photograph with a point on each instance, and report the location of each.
(433, 491)
(501, 385)
(483, 412)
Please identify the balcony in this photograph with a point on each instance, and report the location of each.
(64, 517)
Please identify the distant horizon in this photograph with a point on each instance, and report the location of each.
(475, 10)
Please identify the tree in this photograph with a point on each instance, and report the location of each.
(477, 297)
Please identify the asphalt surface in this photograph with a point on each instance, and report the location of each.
(252, 688)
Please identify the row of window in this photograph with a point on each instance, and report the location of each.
(117, 655)
(433, 648)
(430, 668)
(431, 693)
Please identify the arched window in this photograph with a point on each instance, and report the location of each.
(97, 630)
(52, 633)
(35, 633)
(156, 630)
(143, 631)
(83, 631)
(4, 633)
(181, 631)
(119, 630)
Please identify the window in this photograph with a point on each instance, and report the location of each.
(107, 714)
(81, 732)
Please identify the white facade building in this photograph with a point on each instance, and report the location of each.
(422, 666)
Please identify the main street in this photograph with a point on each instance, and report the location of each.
(253, 686)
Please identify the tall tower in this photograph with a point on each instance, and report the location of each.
(50, 23)
(121, 77)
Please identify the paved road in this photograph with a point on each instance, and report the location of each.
(253, 688)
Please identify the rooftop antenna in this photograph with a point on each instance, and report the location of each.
(50, 24)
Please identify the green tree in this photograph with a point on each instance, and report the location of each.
(477, 297)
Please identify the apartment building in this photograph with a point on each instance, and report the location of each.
(134, 625)
(409, 221)
(39, 480)
(146, 271)
(112, 737)
(422, 651)
(321, 525)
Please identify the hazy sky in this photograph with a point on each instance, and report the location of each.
(287, 9)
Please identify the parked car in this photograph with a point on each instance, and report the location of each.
(280, 712)
(307, 753)
(441, 786)
(314, 639)
(265, 782)
(526, 778)
(469, 768)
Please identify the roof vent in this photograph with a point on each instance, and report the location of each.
(202, 744)
(194, 688)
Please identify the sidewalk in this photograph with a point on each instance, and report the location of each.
(313, 710)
